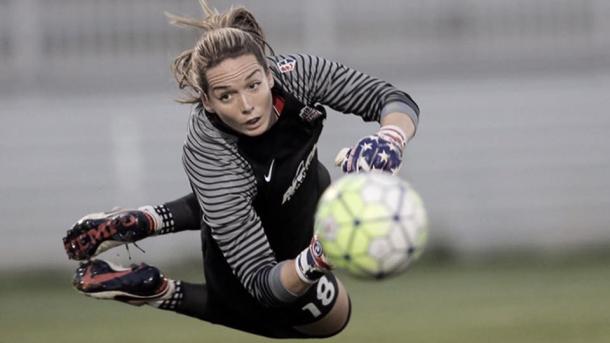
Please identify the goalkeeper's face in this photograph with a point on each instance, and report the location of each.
(239, 92)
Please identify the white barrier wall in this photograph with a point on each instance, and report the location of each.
(62, 42)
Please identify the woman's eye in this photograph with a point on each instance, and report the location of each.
(254, 85)
(225, 97)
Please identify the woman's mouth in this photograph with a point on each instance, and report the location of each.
(253, 123)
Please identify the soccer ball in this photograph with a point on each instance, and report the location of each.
(371, 224)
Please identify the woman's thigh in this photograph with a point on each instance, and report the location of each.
(334, 318)
(322, 311)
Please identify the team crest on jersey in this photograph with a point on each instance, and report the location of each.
(310, 114)
(286, 65)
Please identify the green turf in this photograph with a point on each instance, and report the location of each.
(526, 301)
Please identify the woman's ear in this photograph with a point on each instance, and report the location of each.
(206, 103)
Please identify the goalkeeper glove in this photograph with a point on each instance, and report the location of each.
(98, 232)
(381, 151)
(311, 264)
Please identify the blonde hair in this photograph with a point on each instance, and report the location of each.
(225, 35)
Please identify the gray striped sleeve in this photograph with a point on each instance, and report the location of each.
(317, 80)
(225, 188)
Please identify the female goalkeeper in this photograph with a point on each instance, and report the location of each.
(251, 158)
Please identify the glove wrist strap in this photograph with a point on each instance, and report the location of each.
(305, 265)
(394, 134)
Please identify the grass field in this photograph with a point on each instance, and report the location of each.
(521, 301)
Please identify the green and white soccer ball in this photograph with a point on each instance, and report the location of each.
(371, 224)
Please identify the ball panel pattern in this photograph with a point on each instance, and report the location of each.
(371, 224)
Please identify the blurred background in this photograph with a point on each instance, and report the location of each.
(512, 157)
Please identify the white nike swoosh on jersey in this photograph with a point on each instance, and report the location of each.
(268, 176)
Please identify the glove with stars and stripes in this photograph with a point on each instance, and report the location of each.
(381, 151)
(311, 263)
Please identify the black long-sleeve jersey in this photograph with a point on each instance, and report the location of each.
(258, 194)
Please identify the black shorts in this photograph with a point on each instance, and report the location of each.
(277, 322)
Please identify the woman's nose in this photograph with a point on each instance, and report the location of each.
(246, 104)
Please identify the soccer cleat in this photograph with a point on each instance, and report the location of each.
(136, 285)
(97, 232)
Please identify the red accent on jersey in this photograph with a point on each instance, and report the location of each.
(279, 103)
